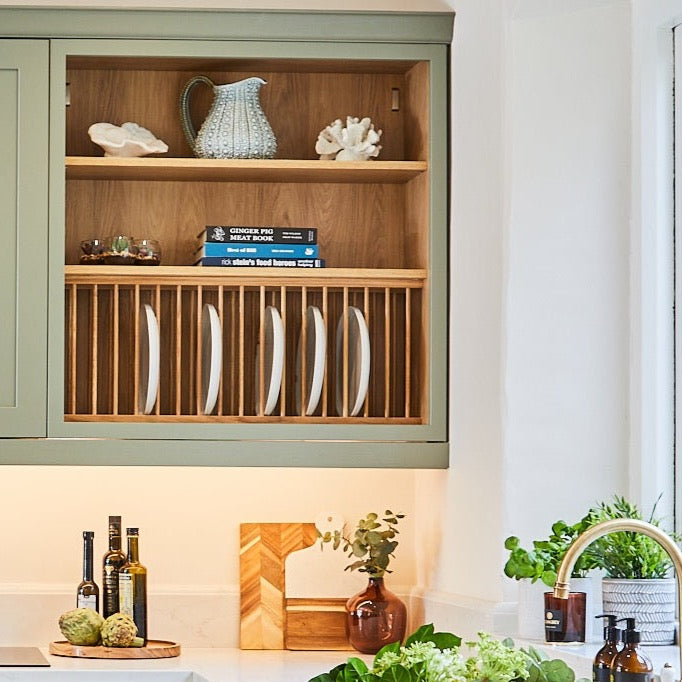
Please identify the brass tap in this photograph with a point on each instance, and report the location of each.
(563, 576)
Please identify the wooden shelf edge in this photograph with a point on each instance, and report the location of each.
(193, 275)
(233, 419)
(241, 170)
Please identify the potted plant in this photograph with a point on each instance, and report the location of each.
(429, 656)
(375, 616)
(637, 569)
(536, 570)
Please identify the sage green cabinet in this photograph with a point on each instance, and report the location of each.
(23, 226)
(382, 226)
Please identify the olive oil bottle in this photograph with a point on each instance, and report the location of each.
(112, 562)
(132, 585)
(87, 594)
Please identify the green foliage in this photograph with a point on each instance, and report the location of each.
(626, 554)
(542, 562)
(371, 545)
(421, 659)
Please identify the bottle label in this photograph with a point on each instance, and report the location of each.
(554, 620)
(89, 602)
(622, 676)
(125, 593)
(111, 604)
(601, 673)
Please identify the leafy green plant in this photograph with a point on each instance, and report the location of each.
(429, 656)
(542, 561)
(625, 554)
(371, 545)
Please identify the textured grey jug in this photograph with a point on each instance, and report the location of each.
(236, 126)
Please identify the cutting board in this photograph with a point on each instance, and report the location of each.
(153, 649)
(269, 620)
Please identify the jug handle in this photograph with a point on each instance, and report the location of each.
(187, 127)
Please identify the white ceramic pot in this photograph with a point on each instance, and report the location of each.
(650, 602)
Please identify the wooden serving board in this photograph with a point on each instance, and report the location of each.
(155, 648)
(270, 620)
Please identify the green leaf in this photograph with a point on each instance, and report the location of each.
(393, 647)
(557, 671)
(549, 578)
(445, 640)
(512, 542)
(421, 634)
(396, 673)
(357, 664)
(324, 677)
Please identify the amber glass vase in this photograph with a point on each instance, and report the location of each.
(376, 617)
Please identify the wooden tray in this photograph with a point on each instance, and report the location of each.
(156, 648)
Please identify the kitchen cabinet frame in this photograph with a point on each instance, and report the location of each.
(242, 35)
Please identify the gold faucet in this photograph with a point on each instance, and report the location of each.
(563, 575)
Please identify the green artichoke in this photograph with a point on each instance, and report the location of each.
(120, 630)
(81, 626)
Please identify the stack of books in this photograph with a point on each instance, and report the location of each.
(259, 247)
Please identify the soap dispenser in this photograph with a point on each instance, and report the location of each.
(601, 667)
(630, 664)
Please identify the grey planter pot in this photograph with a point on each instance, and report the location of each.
(650, 602)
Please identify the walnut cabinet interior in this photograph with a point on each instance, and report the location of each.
(373, 220)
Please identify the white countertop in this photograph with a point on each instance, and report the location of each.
(234, 665)
(192, 665)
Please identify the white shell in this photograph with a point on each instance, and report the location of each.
(129, 139)
(357, 141)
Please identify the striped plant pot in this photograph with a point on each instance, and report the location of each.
(650, 602)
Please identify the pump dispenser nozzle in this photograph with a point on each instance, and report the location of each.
(611, 632)
(630, 634)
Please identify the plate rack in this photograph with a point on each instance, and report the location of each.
(103, 345)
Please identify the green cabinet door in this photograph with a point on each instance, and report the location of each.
(23, 226)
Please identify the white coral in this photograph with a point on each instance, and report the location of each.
(130, 139)
(357, 141)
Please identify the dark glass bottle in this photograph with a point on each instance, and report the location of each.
(601, 667)
(87, 594)
(630, 663)
(111, 565)
(132, 585)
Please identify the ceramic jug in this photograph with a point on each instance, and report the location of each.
(236, 126)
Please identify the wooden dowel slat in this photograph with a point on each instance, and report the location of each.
(115, 344)
(199, 345)
(178, 349)
(73, 336)
(241, 351)
(220, 318)
(408, 352)
(93, 346)
(283, 385)
(136, 361)
(325, 319)
(387, 352)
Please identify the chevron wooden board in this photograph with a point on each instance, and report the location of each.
(316, 624)
(263, 549)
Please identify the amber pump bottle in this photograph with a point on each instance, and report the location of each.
(601, 667)
(630, 663)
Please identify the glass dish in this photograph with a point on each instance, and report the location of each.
(148, 252)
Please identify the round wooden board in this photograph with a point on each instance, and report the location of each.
(155, 648)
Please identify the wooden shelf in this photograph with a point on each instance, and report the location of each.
(196, 276)
(241, 170)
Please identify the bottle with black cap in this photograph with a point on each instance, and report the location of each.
(630, 664)
(601, 667)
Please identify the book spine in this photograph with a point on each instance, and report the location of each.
(264, 235)
(236, 250)
(209, 261)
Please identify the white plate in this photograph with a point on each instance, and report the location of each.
(273, 360)
(358, 361)
(211, 357)
(315, 355)
(149, 359)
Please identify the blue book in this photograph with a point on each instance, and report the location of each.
(215, 261)
(241, 250)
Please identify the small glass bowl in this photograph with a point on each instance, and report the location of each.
(92, 252)
(148, 252)
(120, 250)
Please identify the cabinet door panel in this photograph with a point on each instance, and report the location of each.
(23, 221)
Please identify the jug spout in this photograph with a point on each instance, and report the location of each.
(236, 126)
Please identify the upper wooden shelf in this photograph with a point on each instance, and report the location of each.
(241, 170)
